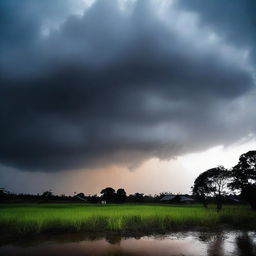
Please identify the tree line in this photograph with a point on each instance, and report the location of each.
(109, 195)
(219, 181)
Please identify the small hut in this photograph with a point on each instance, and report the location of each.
(167, 198)
(185, 199)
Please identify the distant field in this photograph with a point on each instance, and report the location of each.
(25, 219)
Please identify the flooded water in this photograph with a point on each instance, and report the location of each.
(240, 243)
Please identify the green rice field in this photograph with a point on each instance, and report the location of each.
(27, 219)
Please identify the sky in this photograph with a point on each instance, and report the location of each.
(139, 94)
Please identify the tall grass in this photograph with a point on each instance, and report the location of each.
(23, 219)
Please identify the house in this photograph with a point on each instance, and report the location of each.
(185, 199)
(81, 197)
(232, 199)
(177, 199)
(167, 198)
(3, 192)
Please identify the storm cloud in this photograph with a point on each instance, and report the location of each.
(116, 85)
(234, 21)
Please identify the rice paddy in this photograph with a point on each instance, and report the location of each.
(29, 219)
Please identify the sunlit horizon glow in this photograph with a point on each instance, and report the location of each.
(152, 177)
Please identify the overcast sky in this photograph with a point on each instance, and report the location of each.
(139, 94)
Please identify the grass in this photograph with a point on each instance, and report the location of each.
(29, 219)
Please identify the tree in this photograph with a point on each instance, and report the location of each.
(138, 197)
(120, 195)
(200, 189)
(212, 182)
(93, 199)
(244, 177)
(248, 193)
(47, 194)
(108, 194)
(244, 173)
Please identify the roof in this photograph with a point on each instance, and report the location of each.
(167, 198)
(178, 197)
(234, 199)
(81, 198)
(3, 191)
(185, 198)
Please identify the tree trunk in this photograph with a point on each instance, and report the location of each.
(219, 203)
(205, 204)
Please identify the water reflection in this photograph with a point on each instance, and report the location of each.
(237, 243)
(113, 239)
(216, 246)
(245, 245)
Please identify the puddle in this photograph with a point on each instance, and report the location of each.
(235, 243)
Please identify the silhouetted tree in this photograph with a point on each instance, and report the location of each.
(248, 193)
(108, 194)
(120, 195)
(244, 173)
(211, 182)
(47, 194)
(201, 190)
(138, 197)
(244, 177)
(93, 199)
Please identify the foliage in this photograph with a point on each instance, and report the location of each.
(248, 193)
(244, 173)
(212, 182)
(137, 198)
(108, 194)
(47, 194)
(121, 195)
(244, 177)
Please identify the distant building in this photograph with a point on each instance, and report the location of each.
(81, 197)
(167, 198)
(3, 191)
(186, 199)
(177, 199)
(232, 199)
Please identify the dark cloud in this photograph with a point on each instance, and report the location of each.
(233, 20)
(114, 86)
